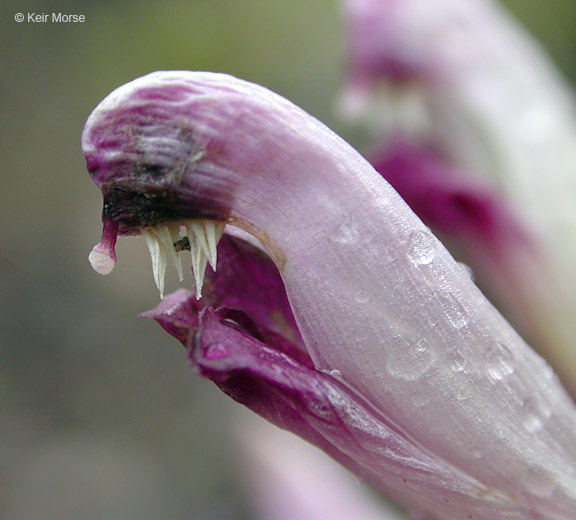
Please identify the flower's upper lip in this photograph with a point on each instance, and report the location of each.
(140, 150)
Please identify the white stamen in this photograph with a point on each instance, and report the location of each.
(203, 237)
(213, 232)
(158, 254)
(168, 235)
(198, 248)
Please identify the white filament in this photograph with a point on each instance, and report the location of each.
(203, 237)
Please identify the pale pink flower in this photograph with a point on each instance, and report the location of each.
(355, 329)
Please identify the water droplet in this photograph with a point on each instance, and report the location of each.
(420, 399)
(348, 232)
(216, 351)
(408, 359)
(540, 482)
(536, 413)
(422, 248)
(362, 297)
(336, 374)
(467, 270)
(501, 362)
(478, 454)
(460, 394)
(454, 311)
(457, 361)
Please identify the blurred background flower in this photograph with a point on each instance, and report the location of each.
(289, 479)
(99, 415)
(480, 144)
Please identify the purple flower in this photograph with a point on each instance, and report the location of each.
(356, 329)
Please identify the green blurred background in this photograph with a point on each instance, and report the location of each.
(100, 417)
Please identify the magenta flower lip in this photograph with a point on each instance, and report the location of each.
(363, 294)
